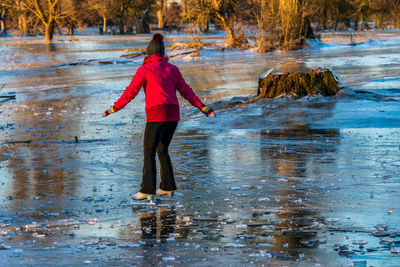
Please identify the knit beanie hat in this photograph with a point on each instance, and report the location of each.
(156, 45)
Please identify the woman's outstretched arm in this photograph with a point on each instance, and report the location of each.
(130, 92)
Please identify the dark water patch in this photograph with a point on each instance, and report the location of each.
(56, 142)
(7, 126)
(389, 79)
(88, 63)
(17, 142)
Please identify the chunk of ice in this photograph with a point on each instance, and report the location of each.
(235, 245)
(129, 245)
(170, 258)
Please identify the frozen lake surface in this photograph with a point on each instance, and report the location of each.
(280, 182)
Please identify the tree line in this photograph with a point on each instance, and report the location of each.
(283, 23)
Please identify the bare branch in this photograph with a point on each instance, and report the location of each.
(39, 15)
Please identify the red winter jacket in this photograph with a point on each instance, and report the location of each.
(160, 81)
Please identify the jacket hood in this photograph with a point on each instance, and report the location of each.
(154, 58)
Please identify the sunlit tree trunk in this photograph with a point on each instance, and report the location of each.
(161, 12)
(362, 7)
(184, 8)
(361, 26)
(206, 25)
(22, 23)
(104, 23)
(3, 28)
(49, 31)
(290, 16)
(295, 23)
(217, 5)
(228, 28)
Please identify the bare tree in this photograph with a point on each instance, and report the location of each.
(46, 12)
(266, 14)
(139, 15)
(101, 7)
(22, 18)
(184, 8)
(362, 7)
(19, 13)
(222, 9)
(394, 6)
(73, 16)
(200, 14)
(221, 12)
(119, 10)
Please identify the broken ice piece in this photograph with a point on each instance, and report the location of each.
(87, 262)
(380, 233)
(333, 219)
(170, 258)
(395, 250)
(38, 235)
(18, 250)
(360, 242)
(310, 243)
(235, 245)
(359, 263)
(91, 221)
(129, 245)
(381, 227)
(4, 247)
(386, 240)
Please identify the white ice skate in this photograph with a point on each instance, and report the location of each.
(141, 196)
(161, 192)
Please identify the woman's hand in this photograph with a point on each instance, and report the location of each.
(212, 113)
(208, 112)
(108, 111)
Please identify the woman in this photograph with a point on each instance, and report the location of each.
(160, 81)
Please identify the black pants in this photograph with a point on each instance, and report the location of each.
(157, 137)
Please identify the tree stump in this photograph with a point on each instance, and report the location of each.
(315, 82)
